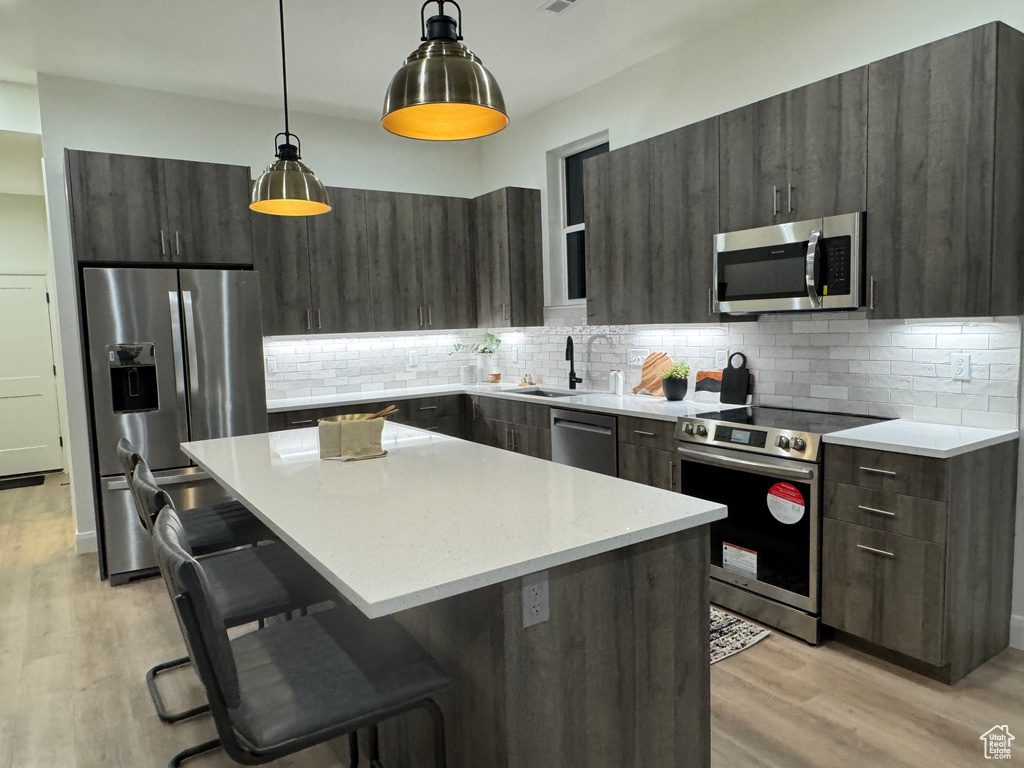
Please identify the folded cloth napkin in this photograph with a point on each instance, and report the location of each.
(357, 439)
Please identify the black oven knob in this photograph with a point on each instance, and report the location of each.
(799, 444)
(702, 431)
(782, 442)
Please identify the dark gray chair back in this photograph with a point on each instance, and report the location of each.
(128, 457)
(149, 498)
(200, 619)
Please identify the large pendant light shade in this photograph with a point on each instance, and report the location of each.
(288, 187)
(443, 92)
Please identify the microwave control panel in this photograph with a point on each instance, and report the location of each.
(836, 263)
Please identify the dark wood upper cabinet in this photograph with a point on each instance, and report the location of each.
(281, 255)
(946, 177)
(651, 214)
(146, 210)
(395, 268)
(617, 190)
(118, 208)
(506, 237)
(796, 156)
(339, 265)
(208, 212)
(460, 267)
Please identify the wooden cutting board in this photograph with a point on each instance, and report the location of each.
(650, 377)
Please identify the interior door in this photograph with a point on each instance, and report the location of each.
(30, 438)
(224, 352)
(136, 308)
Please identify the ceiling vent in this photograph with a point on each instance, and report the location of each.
(558, 6)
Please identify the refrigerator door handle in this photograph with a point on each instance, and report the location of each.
(190, 342)
(179, 366)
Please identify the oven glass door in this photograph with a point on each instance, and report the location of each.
(769, 541)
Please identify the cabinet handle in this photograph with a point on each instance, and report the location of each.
(873, 471)
(304, 421)
(318, 325)
(513, 441)
(871, 293)
(672, 475)
(507, 441)
(309, 319)
(876, 511)
(177, 243)
(641, 432)
(420, 311)
(775, 202)
(790, 198)
(711, 301)
(428, 407)
(430, 315)
(874, 551)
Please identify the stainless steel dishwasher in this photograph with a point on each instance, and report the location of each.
(585, 440)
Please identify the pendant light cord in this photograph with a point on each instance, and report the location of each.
(284, 72)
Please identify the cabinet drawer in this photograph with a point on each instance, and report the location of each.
(884, 588)
(890, 512)
(426, 408)
(650, 433)
(900, 473)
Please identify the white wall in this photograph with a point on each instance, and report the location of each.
(79, 114)
(19, 107)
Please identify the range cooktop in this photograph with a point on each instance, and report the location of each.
(782, 432)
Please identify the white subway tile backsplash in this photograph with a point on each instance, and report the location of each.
(832, 361)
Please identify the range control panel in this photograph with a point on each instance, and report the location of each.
(765, 440)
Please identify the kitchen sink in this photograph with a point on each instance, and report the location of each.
(547, 393)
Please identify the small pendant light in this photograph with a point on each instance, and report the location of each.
(443, 92)
(288, 187)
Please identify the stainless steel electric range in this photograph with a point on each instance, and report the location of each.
(765, 465)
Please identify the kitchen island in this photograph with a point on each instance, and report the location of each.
(440, 532)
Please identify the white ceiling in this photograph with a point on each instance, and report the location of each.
(341, 53)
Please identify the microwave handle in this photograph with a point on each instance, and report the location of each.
(811, 268)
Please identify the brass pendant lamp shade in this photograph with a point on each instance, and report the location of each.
(443, 92)
(288, 187)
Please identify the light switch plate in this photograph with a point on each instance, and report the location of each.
(535, 599)
(637, 356)
(515, 353)
(721, 358)
(271, 364)
(414, 358)
(961, 367)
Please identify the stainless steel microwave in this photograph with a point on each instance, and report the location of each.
(803, 266)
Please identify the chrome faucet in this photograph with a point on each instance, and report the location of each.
(570, 355)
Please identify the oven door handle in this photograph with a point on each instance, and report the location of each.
(811, 266)
(743, 464)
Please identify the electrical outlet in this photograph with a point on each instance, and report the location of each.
(721, 358)
(535, 599)
(271, 364)
(961, 367)
(414, 358)
(637, 356)
(515, 353)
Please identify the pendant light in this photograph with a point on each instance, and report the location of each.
(443, 92)
(288, 187)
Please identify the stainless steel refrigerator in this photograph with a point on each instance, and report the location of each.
(174, 355)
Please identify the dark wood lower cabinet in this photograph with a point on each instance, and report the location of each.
(649, 466)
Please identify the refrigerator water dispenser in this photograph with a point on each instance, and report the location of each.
(133, 386)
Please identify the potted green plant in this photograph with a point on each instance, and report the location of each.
(484, 352)
(674, 382)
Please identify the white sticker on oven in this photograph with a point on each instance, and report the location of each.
(786, 503)
(739, 560)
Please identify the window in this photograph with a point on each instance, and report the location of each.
(574, 246)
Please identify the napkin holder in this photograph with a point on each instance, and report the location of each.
(351, 437)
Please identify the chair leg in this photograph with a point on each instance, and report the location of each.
(353, 750)
(158, 702)
(374, 749)
(188, 754)
(440, 749)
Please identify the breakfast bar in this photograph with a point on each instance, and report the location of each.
(440, 533)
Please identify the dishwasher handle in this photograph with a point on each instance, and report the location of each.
(579, 425)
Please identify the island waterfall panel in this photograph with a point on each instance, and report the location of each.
(619, 675)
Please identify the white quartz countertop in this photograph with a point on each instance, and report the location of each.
(645, 406)
(438, 516)
(938, 441)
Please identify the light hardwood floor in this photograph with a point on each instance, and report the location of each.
(74, 652)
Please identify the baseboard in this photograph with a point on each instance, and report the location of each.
(86, 542)
(1017, 632)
